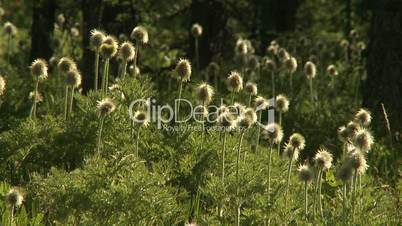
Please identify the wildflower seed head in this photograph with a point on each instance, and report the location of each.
(260, 103)
(323, 159)
(205, 93)
(241, 47)
(358, 162)
(73, 79)
(268, 64)
(283, 54)
(35, 97)
(273, 133)
(363, 117)
(2, 85)
(344, 44)
(305, 173)
(61, 19)
(10, 29)
(250, 113)
(141, 118)
(109, 47)
(251, 88)
(196, 30)
(291, 152)
(74, 32)
(227, 121)
(291, 64)
(282, 103)
(331, 70)
(183, 70)
(14, 198)
(253, 62)
(222, 109)
(39, 69)
(235, 82)
(353, 34)
(244, 123)
(239, 108)
(360, 46)
(297, 141)
(352, 128)
(140, 35)
(66, 64)
(106, 106)
(272, 50)
(310, 70)
(363, 140)
(343, 134)
(127, 52)
(96, 39)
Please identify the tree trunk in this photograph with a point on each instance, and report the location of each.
(384, 65)
(42, 29)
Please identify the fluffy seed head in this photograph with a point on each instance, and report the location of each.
(251, 88)
(2, 85)
(61, 19)
(239, 109)
(260, 103)
(205, 93)
(323, 159)
(358, 162)
(283, 54)
(73, 79)
(272, 50)
(140, 34)
(244, 122)
(250, 113)
(353, 34)
(127, 51)
(106, 106)
(343, 134)
(241, 47)
(273, 133)
(35, 96)
(74, 32)
(227, 121)
(235, 82)
(290, 152)
(363, 117)
(14, 198)
(96, 39)
(352, 128)
(305, 173)
(310, 70)
(344, 44)
(109, 47)
(282, 103)
(222, 109)
(66, 64)
(363, 140)
(141, 118)
(10, 29)
(183, 70)
(39, 69)
(196, 30)
(291, 64)
(297, 141)
(331, 70)
(360, 46)
(268, 64)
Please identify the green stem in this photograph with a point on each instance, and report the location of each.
(107, 77)
(197, 63)
(237, 179)
(232, 98)
(291, 84)
(70, 111)
(319, 193)
(66, 104)
(305, 199)
(249, 101)
(137, 50)
(8, 48)
(288, 180)
(180, 92)
(100, 134)
(344, 204)
(258, 132)
(280, 123)
(35, 98)
(273, 85)
(104, 77)
(354, 194)
(223, 157)
(124, 69)
(96, 70)
(137, 141)
(311, 90)
(269, 171)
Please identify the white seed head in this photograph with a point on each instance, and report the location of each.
(205, 93)
(251, 88)
(291, 152)
(227, 121)
(357, 161)
(183, 70)
(363, 117)
(239, 109)
(73, 79)
(305, 173)
(363, 140)
(331, 70)
(291, 64)
(109, 47)
(2, 85)
(126, 51)
(268, 64)
(35, 96)
(141, 118)
(273, 133)
(196, 30)
(283, 55)
(10, 29)
(140, 34)
(66, 64)
(96, 39)
(344, 44)
(310, 70)
(343, 134)
(250, 113)
(235, 82)
(39, 69)
(14, 198)
(282, 103)
(106, 106)
(323, 159)
(260, 103)
(297, 141)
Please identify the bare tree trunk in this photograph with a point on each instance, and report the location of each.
(42, 28)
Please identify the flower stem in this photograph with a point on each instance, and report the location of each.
(180, 92)
(311, 90)
(288, 180)
(137, 141)
(273, 85)
(124, 69)
(237, 179)
(35, 98)
(100, 134)
(66, 103)
(319, 193)
(8, 48)
(269, 171)
(305, 199)
(223, 157)
(96, 70)
(70, 111)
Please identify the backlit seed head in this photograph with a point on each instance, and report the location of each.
(205, 93)
(222, 109)
(344, 44)
(141, 118)
(360, 46)
(106, 106)
(363, 140)
(272, 50)
(297, 141)
(343, 134)
(352, 128)
(53, 61)
(290, 152)
(345, 172)
(363, 117)
(268, 64)
(238, 109)
(331, 70)
(250, 113)
(10, 29)
(253, 62)
(227, 121)
(66, 64)
(282, 103)
(251, 88)
(2, 85)
(260, 103)
(127, 52)
(244, 122)
(358, 162)
(235, 82)
(305, 173)
(73, 79)
(196, 30)
(310, 70)
(241, 47)
(323, 159)
(273, 133)
(291, 64)
(2, 12)
(140, 34)
(96, 39)
(183, 70)
(283, 55)
(35, 96)
(109, 47)
(39, 69)
(61, 19)
(353, 34)
(14, 198)
(74, 32)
